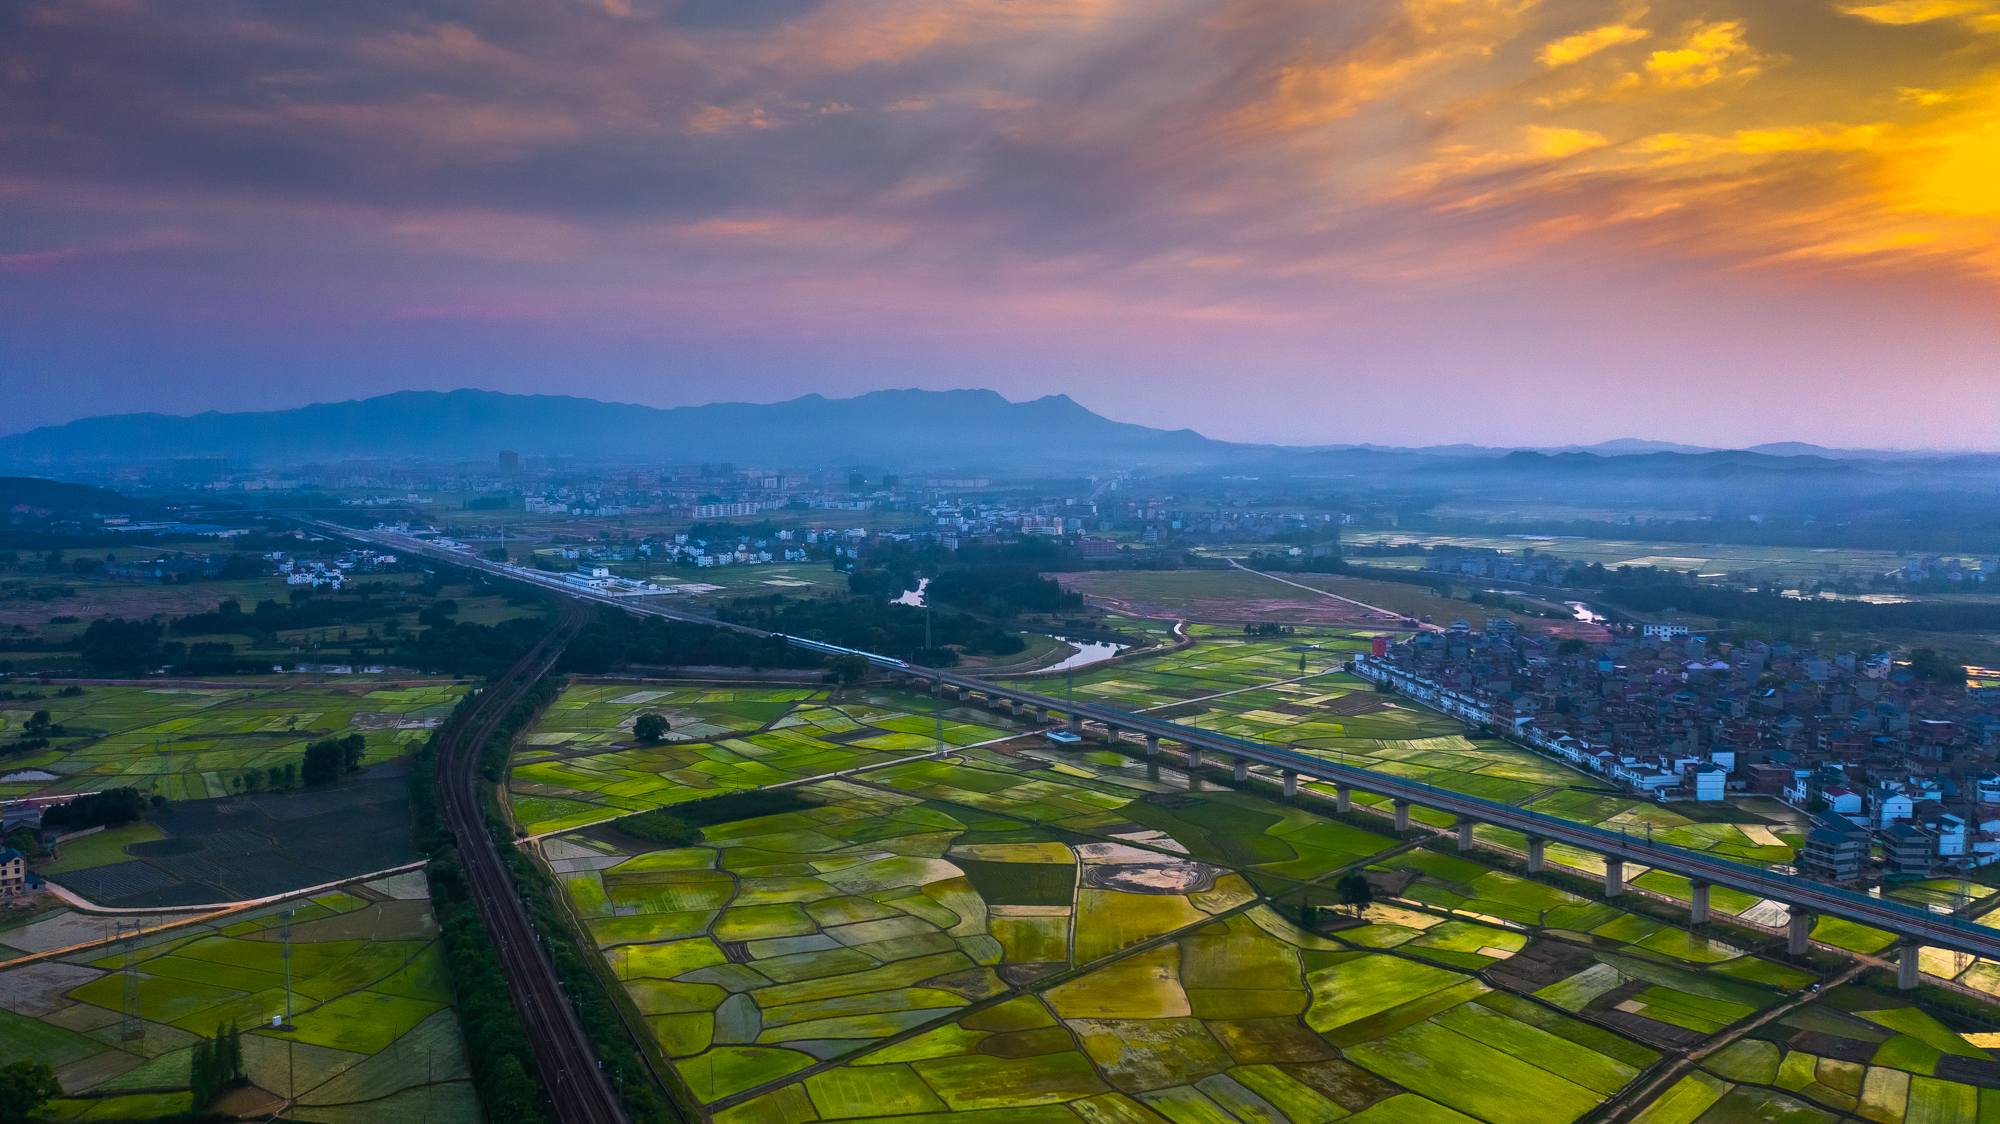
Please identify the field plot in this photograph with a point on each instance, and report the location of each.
(191, 743)
(376, 1037)
(1791, 564)
(1849, 1054)
(1242, 596)
(582, 763)
(909, 948)
(237, 848)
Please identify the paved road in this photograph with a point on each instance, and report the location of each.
(1931, 929)
(563, 1052)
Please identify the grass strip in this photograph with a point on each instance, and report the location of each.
(497, 1049)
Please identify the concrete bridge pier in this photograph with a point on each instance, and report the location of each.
(1798, 932)
(1537, 849)
(1909, 957)
(1152, 745)
(1343, 798)
(1614, 877)
(1402, 815)
(1040, 714)
(1076, 724)
(1014, 708)
(1464, 834)
(1194, 758)
(1698, 911)
(1291, 783)
(1241, 769)
(1111, 734)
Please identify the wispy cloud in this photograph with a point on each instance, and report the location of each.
(1009, 166)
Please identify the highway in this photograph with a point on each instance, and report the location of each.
(563, 1053)
(1935, 930)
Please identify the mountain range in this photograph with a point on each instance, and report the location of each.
(966, 430)
(969, 429)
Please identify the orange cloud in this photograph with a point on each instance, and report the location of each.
(1582, 45)
(1710, 53)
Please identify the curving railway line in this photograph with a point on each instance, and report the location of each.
(563, 1051)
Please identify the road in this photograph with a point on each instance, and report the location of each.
(1391, 614)
(1936, 930)
(563, 1052)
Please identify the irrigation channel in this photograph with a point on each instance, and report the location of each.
(563, 1052)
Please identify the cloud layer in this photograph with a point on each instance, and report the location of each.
(1274, 219)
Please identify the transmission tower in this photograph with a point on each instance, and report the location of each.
(133, 1027)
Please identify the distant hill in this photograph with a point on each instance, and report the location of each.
(54, 495)
(954, 429)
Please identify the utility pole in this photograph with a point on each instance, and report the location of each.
(285, 932)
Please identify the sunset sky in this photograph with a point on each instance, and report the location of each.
(1418, 222)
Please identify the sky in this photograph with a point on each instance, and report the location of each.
(1407, 222)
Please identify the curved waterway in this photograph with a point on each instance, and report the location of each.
(1087, 652)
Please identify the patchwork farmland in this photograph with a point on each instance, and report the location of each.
(376, 1036)
(196, 746)
(582, 764)
(1030, 933)
(194, 743)
(1027, 932)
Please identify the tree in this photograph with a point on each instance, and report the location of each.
(111, 807)
(215, 1064)
(327, 761)
(24, 1087)
(36, 725)
(1354, 891)
(202, 1085)
(650, 728)
(847, 670)
(119, 646)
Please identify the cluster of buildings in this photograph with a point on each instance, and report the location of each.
(1538, 569)
(1878, 757)
(329, 573)
(1931, 567)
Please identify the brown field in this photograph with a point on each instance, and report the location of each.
(1240, 596)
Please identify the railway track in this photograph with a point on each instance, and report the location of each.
(563, 1052)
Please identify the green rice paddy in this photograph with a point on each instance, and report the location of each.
(582, 763)
(376, 1037)
(191, 743)
(1042, 934)
(1027, 934)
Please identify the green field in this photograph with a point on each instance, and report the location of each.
(191, 743)
(820, 964)
(1031, 933)
(582, 764)
(376, 1037)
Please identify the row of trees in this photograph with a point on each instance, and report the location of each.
(216, 1064)
(109, 808)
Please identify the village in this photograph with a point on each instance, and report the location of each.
(1895, 766)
